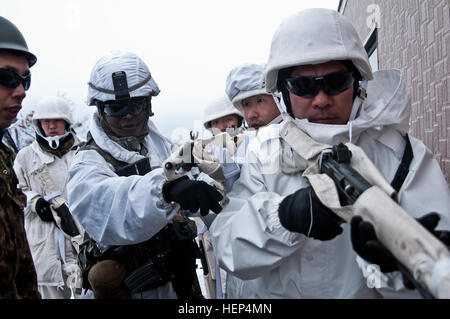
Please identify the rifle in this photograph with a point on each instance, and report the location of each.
(69, 226)
(195, 158)
(351, 186)
(198, 155)
(203, 258)
(182, 159)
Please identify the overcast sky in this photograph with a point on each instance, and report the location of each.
(188, 45)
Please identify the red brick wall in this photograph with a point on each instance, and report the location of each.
(414, 36)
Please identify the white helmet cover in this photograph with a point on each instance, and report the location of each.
(245, 81)
(52, 108)
(218, 108)
(315, 36)
(139, 78)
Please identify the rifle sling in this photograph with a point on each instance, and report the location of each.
(403, 168)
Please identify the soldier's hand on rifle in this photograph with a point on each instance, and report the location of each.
(43, 210)
(67, 223)
(303, 212)
(430, 222)
(366, 244)
(193, 195)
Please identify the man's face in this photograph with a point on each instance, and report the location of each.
(11, 99)
(259, 110)
(221, 124)
(127, 125)
(53, 127)
(322, 108)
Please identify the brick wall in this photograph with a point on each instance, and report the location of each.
(414, 36)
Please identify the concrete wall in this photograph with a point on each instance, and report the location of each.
(414, 36)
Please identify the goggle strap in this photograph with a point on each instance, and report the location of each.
(283, 110)
(130, 89)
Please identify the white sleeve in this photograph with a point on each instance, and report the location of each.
(116, 210)
(25, 185)
(230, 168)
(247, 236)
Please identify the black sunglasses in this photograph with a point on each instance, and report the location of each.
(11, 79)
(133, 106)
(309, 86)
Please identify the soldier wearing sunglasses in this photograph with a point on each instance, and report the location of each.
(298, 247)
(17, 272)
(119, 193)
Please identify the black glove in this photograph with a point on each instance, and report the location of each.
(367, 246)
(43, 210)
(430, 221)
(193, 195)
(67, 223)
(295, 213)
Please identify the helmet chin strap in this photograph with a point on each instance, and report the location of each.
(282, 108)
(53, 141)
(357, 103)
